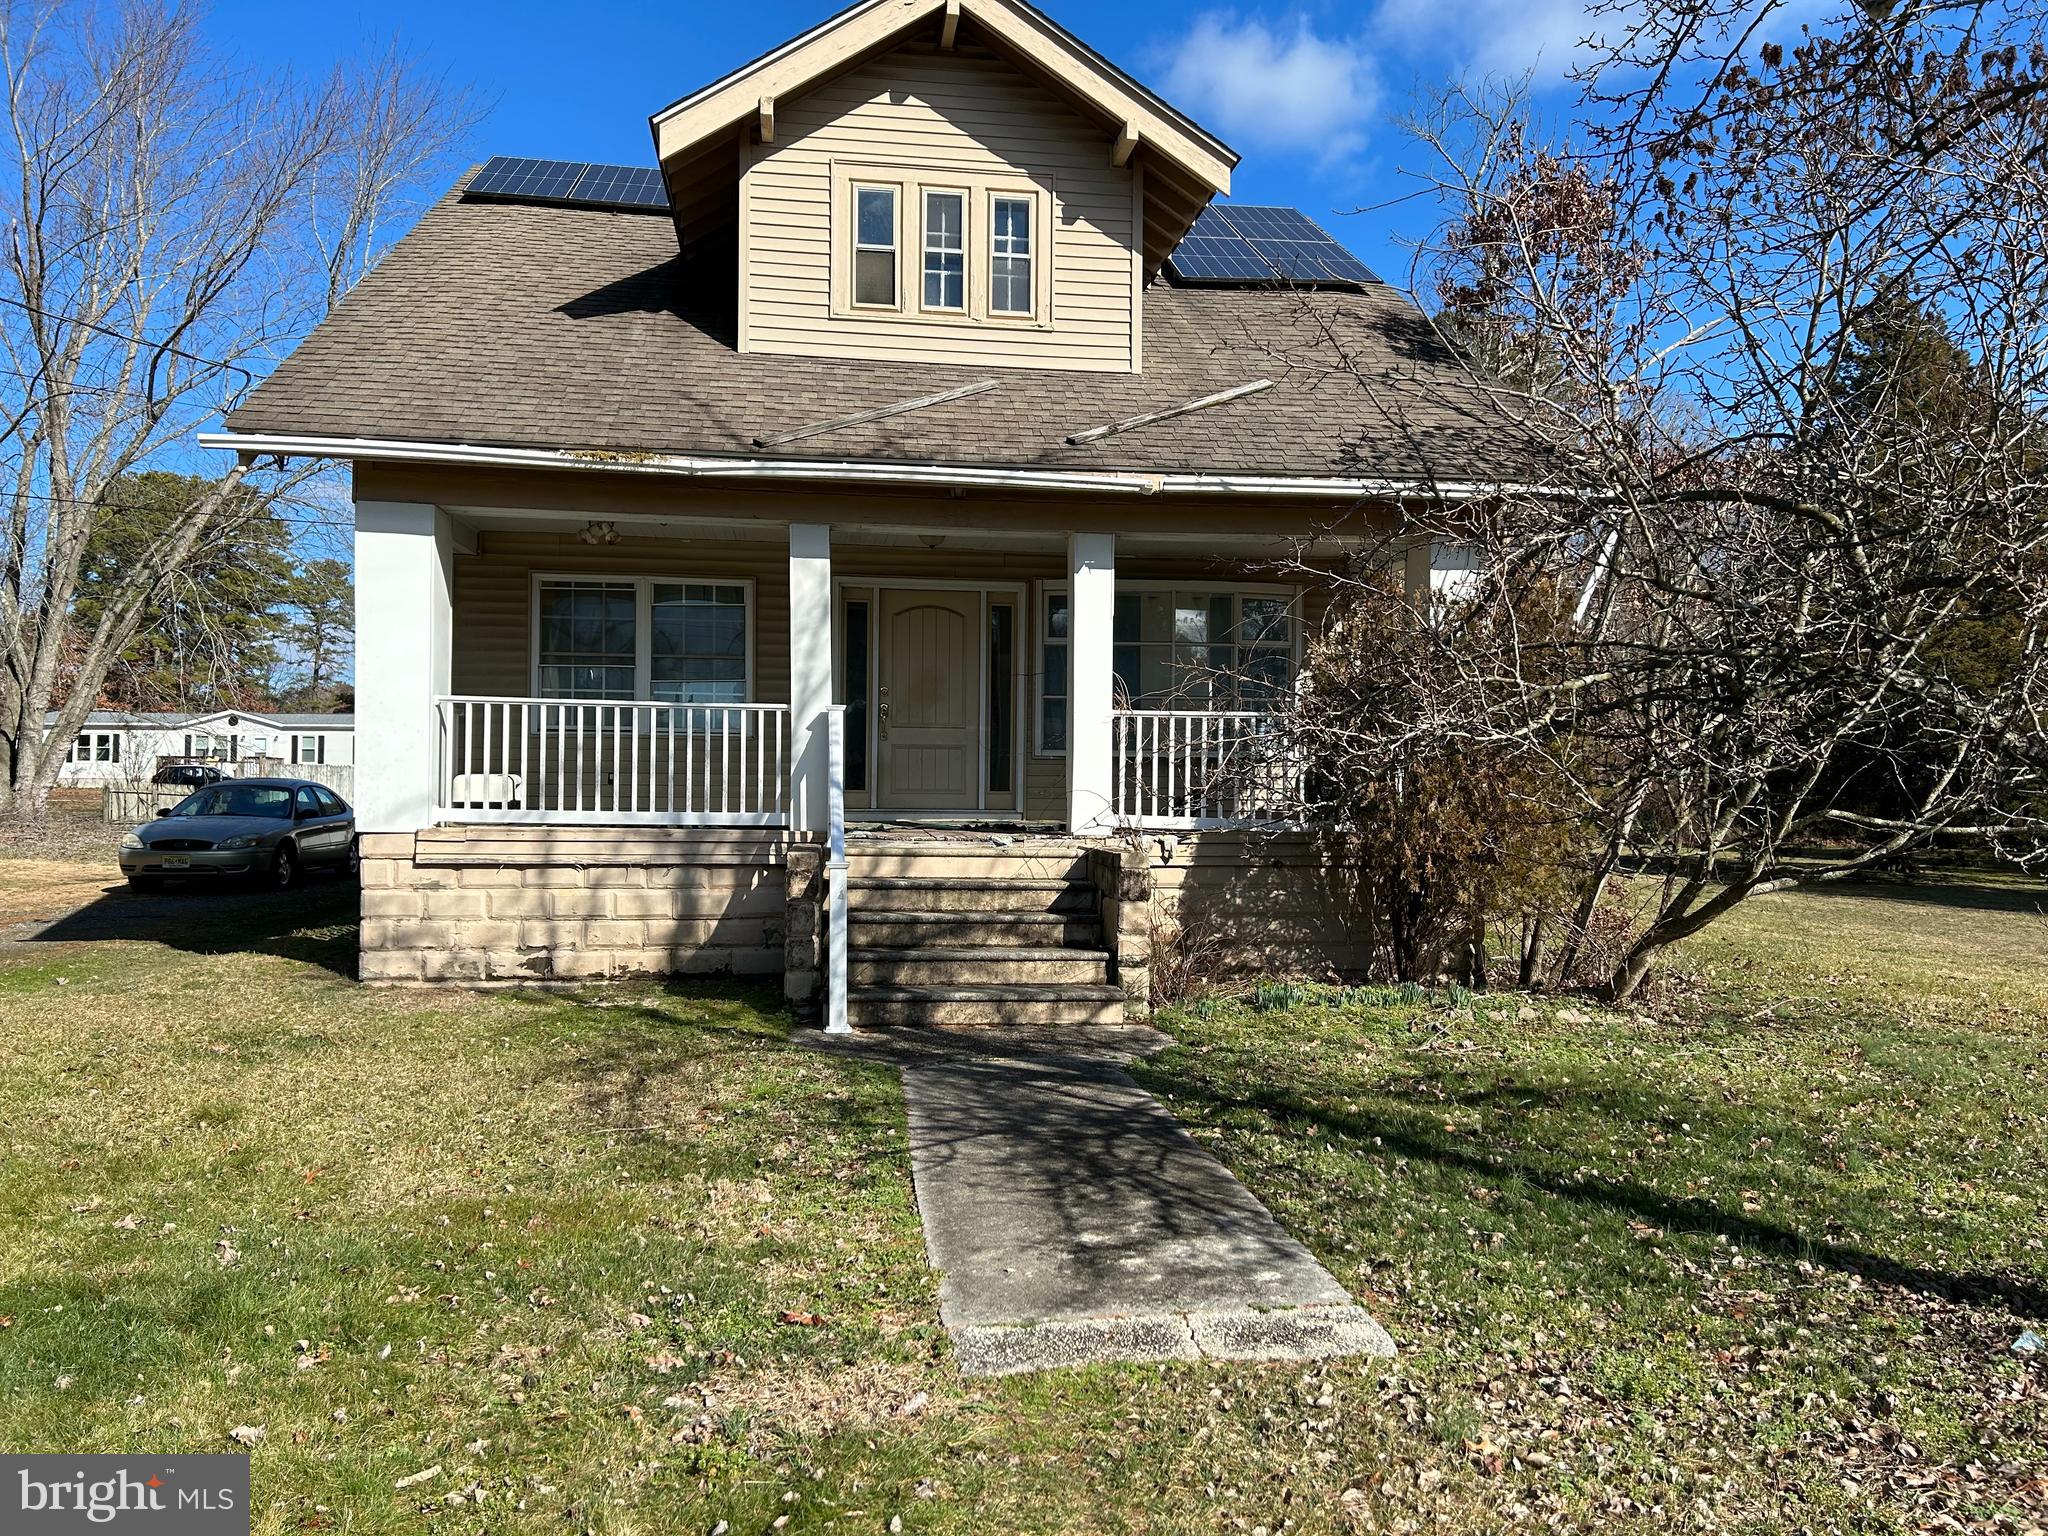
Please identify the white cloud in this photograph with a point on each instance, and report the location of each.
(1507, 38)
(1285, 87)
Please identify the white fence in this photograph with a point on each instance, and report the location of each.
(568, 761)
(1193, 769)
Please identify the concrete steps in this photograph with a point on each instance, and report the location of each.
(991, 965)
(955, 930)
(880, 1007)
(929, 893)
(976, 934)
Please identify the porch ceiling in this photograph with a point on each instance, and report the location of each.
(919, 539)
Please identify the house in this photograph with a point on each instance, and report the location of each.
(918, 447)
(125, 747)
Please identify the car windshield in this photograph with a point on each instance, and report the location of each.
(238, 800)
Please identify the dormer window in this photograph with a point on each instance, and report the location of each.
(945, 251)
(874, 253)
(1011, 286)
(942, 248)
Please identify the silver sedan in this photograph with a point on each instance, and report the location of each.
(275, 829)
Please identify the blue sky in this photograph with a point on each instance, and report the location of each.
(1309, 94)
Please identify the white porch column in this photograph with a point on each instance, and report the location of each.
(1091, 618)
(405, 578)
(810, 673)
(1440, 571)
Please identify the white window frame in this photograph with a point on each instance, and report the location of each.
(964, 196)
(1036, 255)
(911, 180)
(302, 753)
(854, 245)
(97, 747)
(643, 628)
(1046, 589)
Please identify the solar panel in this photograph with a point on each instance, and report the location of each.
(511, 176)
(1239, 245)
(628, 186)
(518, 179)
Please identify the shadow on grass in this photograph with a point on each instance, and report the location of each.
(2027, 897)
(314, 924)
(1301, 1116)
(630, 1045)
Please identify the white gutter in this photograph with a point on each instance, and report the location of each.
(841, 471)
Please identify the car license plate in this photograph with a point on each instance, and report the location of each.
(177, 861)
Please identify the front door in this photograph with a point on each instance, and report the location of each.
(928, 700)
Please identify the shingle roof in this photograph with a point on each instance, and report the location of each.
(550, 327)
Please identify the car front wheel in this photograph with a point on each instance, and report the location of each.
(284, 867)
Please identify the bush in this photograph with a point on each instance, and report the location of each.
(1437, 846)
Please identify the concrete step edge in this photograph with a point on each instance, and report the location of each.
(967, 882)
(1000, 953)
(1016, 992)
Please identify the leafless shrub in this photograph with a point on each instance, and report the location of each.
(1189, 959)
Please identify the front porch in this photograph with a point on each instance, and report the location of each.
(614, 752)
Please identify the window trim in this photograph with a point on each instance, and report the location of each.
(926, 191)
(1237, 589)
(643, 629)
(855, 246)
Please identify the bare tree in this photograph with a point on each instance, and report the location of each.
(1774, 608)
(172, 220)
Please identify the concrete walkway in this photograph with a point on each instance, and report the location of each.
(1072, 1218)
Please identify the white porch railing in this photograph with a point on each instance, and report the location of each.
(566, 761)
(1190, 769)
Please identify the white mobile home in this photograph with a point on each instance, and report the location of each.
(123, 747)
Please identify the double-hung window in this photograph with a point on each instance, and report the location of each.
(1206, 650)
(654, 638)
(1012, 280)
(589, 639)
(874, 246)
(95, 747)
(698, 645)
(1174, 648)
(309, 749)
(945, 250)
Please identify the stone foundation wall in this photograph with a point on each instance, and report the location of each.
(1248, 903)
(526, 904)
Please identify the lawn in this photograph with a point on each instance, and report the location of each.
(638, 1261)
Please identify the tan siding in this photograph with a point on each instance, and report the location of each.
(494, 600)
(969, 115)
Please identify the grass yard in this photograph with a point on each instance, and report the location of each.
(637, 1262)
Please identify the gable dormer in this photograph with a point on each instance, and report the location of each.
(937, 181)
